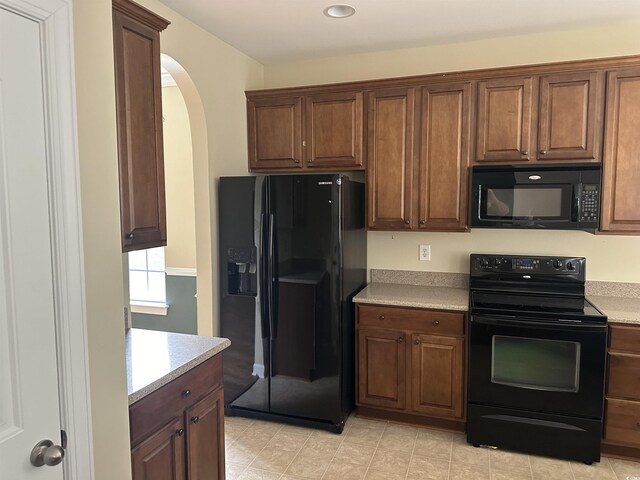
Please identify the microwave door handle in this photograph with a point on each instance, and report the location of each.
(576, 205)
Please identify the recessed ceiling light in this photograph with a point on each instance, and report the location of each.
(339, 11)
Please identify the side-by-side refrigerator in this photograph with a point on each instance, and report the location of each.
(292, 257)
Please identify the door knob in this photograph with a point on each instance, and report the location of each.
(46, 453)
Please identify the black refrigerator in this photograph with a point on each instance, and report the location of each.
(292, 256)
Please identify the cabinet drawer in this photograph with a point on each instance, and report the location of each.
(624, 338)
(623, 422)
(427, 321)
(159, 407)
(624, 376)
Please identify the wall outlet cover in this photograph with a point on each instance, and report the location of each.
(424, 253)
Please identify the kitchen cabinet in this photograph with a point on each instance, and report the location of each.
(323, 131)
(621, 162)
(390, 175)
(444, 156)
(564, 111)
(570, 116)
(411, 364)
(136, 44)
(177, 431)
(504, 129)
(381, 367)
(622, 411)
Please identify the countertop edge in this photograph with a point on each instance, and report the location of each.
(175, 373)
(405, 303)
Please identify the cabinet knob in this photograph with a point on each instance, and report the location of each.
(381, 317)
(422, 222)
(400, 340)
(543, 152)
(296, 160)
(435, 323)
(416, 342)
(186, 393)
(195, 419)
(525, 152)
(180, 432)
(407, 222)
(129, 236)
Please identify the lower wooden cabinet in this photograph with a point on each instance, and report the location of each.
(622, 411)
(177, 432)
(161, 455)
(411, 362)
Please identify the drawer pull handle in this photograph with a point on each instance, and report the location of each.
(180, 432)
(195, 419)
(186, 393)
(400, 340)
(435, 323)
(416, 342)
(381, 317)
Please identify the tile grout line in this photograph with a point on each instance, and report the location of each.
(262, 449)
(413, 450)
(386, 424)
(334, 453)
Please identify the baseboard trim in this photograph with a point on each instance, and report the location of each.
(620, 451)
(401, 417)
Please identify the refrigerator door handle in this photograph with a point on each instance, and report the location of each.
(264, 277)
(274, 276)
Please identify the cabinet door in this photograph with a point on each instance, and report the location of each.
(444, 156)
(570, 118)
(504, 120)
(437, 375)
(390, 158)
(621, 162)
(333, 135)
(161, 455)
(275, 133)
(622, 425)
(381, 367)
(205, 438)
(139, 121)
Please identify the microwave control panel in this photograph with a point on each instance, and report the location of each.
(589, 203)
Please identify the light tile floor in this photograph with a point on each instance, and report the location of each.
(368, 449)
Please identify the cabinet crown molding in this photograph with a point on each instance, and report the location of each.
(141, 14)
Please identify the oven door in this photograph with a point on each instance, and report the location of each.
(544, 366)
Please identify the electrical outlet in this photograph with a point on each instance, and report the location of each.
(424, 253)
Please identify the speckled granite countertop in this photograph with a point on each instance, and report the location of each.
(419, 296)
(155, 358)
(618, 309)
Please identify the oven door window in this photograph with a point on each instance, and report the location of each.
(537, 364)
(548, 203)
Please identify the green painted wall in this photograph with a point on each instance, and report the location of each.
(182, 314)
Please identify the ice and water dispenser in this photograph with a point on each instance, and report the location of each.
(241, 270)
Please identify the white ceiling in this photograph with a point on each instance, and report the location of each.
(273, 31)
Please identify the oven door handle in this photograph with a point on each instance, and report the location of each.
(530, 323)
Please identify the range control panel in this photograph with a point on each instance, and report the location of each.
(526, 264)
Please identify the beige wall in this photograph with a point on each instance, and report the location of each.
(220, 74)
(101, 235)
(178, 171)
(609, 258)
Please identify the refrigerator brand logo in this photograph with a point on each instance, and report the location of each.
(534, 177)
(325, 183)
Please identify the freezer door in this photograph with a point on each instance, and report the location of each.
(305, 289)
(243, 278)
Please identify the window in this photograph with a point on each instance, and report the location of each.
(147, 285)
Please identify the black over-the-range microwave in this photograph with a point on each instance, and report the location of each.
(550, 196)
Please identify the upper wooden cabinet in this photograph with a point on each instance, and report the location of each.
(570, 116)
(275, 133)
(563, 110)
(136, 37)
(444, 156)
(621, 162)
(334, 127)
(321, 132)
(391, 128)
(504, 120)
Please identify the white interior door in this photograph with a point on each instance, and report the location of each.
(29, 397)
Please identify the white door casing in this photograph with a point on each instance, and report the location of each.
(42, 320)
